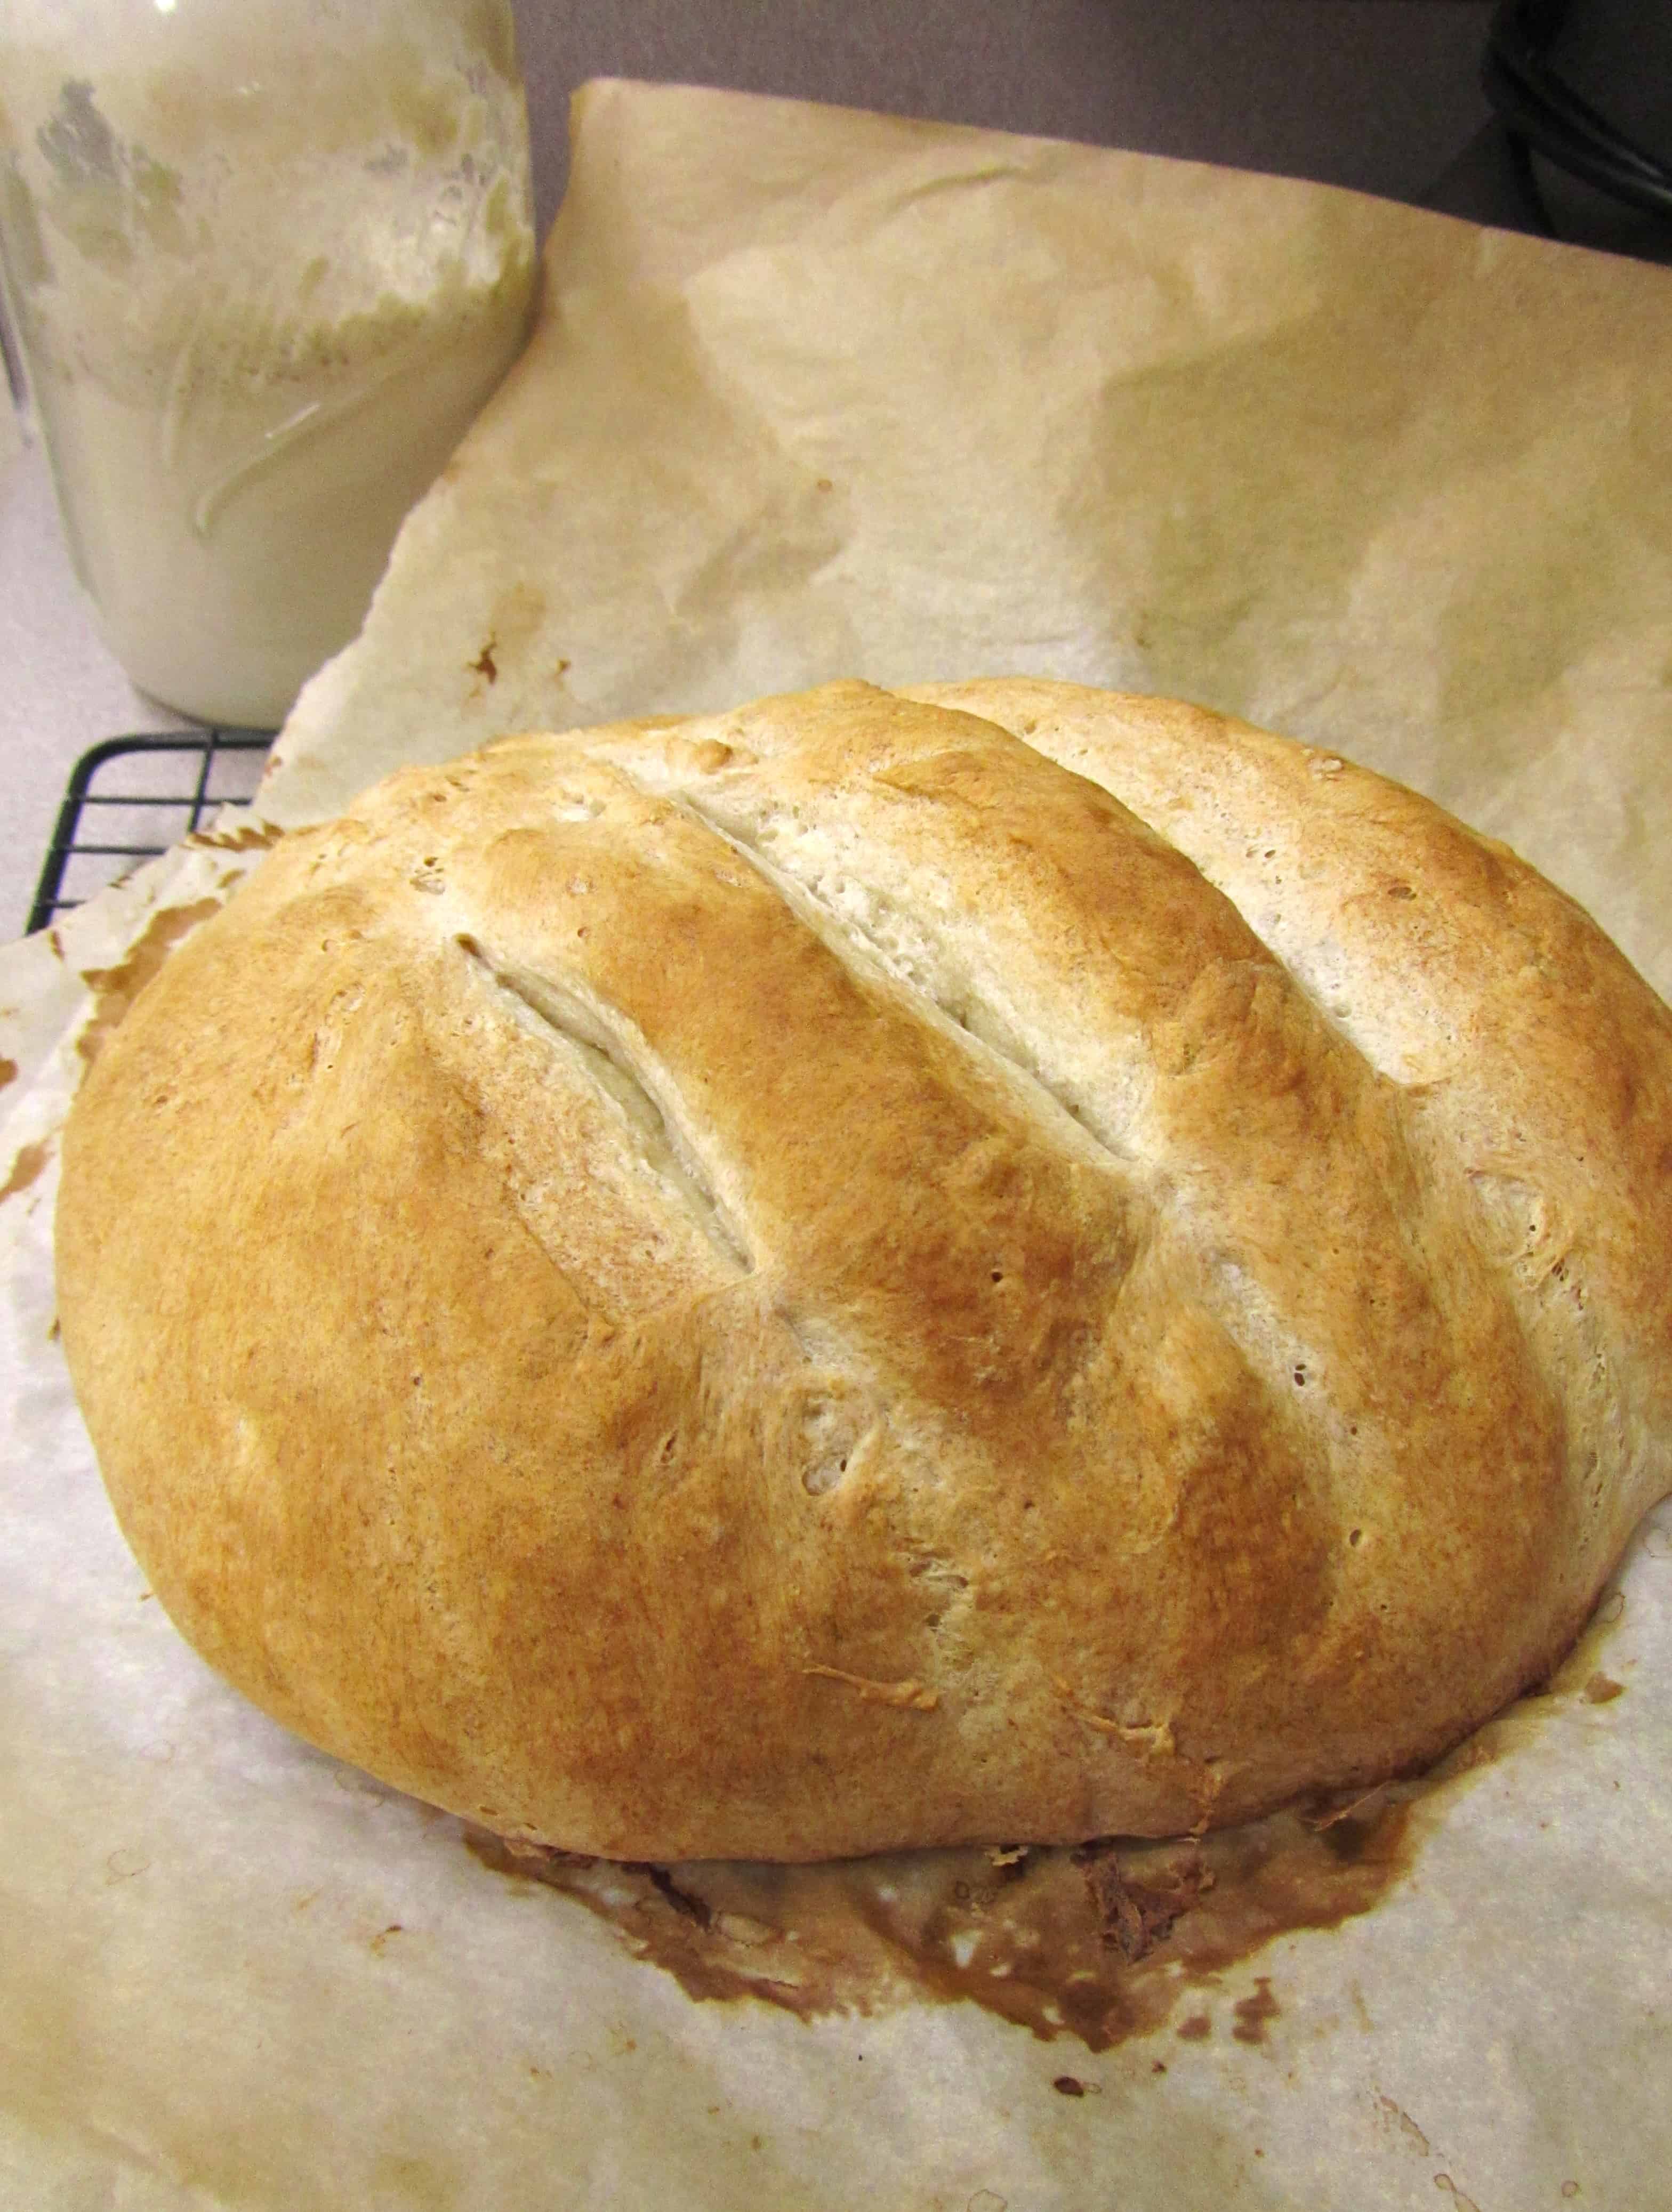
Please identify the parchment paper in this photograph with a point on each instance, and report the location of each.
(817, 394)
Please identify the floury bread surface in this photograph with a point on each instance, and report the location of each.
(802, 1281)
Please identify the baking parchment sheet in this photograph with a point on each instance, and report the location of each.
(818, 394)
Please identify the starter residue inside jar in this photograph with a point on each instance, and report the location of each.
(259, 306)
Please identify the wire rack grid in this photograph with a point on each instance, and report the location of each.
(131, 797)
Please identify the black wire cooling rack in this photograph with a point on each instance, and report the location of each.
(131, 797)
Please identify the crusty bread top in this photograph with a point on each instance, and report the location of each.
(802, 1281)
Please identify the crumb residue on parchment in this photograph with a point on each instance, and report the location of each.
(115, 989)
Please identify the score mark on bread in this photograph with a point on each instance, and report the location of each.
(882, 1269)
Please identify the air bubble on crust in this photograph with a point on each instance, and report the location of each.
(575, 806)
(829, 1426)
(824, 1474)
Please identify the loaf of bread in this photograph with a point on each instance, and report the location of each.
(999, 1262)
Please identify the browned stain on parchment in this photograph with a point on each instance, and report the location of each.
(1100, 1942)
(1461, 2199)
(115, 989)
(7, 1072)
(1394, 2117)
(26, 1168)
(514, 623)
(247, 837)
(1251, 2014)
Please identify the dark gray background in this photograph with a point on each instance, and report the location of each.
(1380, 94)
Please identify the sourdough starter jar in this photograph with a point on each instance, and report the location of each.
(264, 260)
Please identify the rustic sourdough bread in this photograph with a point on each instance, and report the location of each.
(1000, 1263)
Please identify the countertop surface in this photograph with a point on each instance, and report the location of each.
(1380, 96)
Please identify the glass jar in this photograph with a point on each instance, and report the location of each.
(264, 260)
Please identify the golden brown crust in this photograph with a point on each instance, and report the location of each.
(802, 1281)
